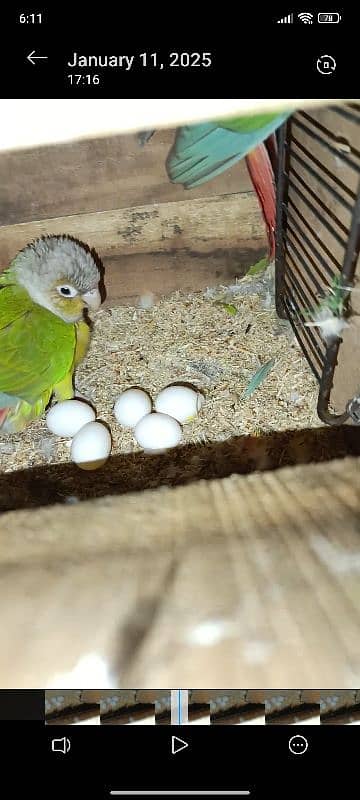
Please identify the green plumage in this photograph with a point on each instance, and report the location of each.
(202, 151)
(37, 351)
(43, 332)
(247, 124)
(37, 348)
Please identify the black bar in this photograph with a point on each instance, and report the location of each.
(322, 141)
(248, 46)
(305, 223)
(22, 705)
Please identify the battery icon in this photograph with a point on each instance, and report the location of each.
(334, 17)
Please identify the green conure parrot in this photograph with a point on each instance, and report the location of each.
(43, 331)
(201, 152)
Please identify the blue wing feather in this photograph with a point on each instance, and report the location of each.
(203, 151)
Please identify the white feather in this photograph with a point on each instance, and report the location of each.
(330, 325)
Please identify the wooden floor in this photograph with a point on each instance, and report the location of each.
(246, 581)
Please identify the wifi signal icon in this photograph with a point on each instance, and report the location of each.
(306, 18)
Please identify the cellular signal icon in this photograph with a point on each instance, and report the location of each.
(288, 19)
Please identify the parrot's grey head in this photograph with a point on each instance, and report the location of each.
(59, 274)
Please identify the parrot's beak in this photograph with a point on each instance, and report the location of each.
(92, 299)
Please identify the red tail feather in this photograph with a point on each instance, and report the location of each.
(272, 148)
(262, 176)
(3, 414)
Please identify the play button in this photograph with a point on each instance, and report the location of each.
(177, 744)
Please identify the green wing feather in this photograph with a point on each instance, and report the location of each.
(201, 152)
(259, 377)
(36, 347)
(248, 124)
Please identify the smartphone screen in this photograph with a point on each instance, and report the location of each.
(179, 401)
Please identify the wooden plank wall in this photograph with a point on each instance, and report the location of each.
(114, 194)
(248, 581)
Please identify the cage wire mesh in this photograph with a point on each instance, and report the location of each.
(318, 245)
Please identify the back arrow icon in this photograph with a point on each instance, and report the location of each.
(177, 744)
(32, 56)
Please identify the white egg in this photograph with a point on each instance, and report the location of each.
(157, 432)
(131, 406)
(180, 402)
(91, 446)
(68, 417)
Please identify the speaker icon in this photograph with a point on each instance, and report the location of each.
(60, 745)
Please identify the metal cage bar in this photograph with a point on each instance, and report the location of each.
(305, 267)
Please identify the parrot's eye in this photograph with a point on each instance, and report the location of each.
(67, 291)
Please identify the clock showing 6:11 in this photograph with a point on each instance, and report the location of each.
(30, 19)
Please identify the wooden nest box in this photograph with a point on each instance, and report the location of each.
(114, 194)
(226, 579)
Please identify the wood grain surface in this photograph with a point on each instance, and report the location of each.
(221, 582)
